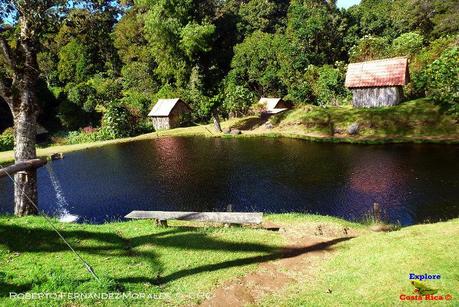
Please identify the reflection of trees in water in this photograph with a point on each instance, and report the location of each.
(186, 171)
(378, 173)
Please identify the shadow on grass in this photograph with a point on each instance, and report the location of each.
(20, 239)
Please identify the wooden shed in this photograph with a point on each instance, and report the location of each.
(170, 113)
(377, 83)
(274, 105)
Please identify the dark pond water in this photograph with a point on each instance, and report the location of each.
(413, 183)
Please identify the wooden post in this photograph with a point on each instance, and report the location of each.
(377, 212)
(161, 223)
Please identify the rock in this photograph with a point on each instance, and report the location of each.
(57, 156)
(235, 131)
(353, 129)
(337, 131)
(268, 125)
(226, 131)
(382, 228)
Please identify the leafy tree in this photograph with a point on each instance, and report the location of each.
(369, 48)
(255, 64)
(315, 33)
(129, 39)
(420, 62)
(442, 82)
(262, 15)
(238, 99)
(407, 44)
(375, 18)
(93, 30)
(116, 122)
(19, 78)
(327, 84)
(74, 63)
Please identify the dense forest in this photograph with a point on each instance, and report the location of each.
(102, 70)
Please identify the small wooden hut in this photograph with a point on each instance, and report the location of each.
(274, 105)
(170, 113)
(377, 83)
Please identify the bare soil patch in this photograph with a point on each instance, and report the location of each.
(309, 246)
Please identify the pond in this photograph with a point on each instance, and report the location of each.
(413, 182)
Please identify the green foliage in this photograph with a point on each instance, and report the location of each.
(420, 62)
(262, 15)
(442, 82)
(129, 39)
(238, 99)
(255, 64)
(223, 55)
(116, 122)
(369, 48)
(327, 84)
(74, 63)
(84, 136)
(7, 140)
(195, 38)
(314, 32)
(407, 44)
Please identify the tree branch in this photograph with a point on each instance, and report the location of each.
(6, 50)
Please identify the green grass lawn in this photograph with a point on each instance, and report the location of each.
(182, 264)
(374, 269)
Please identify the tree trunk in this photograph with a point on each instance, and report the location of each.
(25, 123)
(216, 121)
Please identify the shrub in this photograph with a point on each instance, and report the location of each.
(238, 100)
(116, 122)
(78, 137)
(442, 82)
(327, 84)
(7, 140)
(407, 44)
(419, 63)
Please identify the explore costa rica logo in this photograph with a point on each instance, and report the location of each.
(423, 291)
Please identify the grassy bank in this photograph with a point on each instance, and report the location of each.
(412, 121)
(417, 121)
(183, 264)
(374, 269)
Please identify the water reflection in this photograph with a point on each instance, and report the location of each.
(412, 182)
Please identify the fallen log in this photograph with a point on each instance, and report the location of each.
(21, 166)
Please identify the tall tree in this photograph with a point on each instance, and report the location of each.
(22, 24)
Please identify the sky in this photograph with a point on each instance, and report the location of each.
(347, 3)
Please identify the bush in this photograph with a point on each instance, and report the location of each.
(442, 82)
(327, 84)
(407, 44)
(7, 140)
(419, 63)
(238, 100)
(117, 122)
(81, 136)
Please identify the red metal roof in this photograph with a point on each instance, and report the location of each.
(387, 72)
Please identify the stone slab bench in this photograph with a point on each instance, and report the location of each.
(162, 217)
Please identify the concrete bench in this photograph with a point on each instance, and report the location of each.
(162, 217)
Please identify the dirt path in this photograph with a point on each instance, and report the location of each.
(301, 260)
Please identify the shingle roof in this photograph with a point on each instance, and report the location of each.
(387, 72)
(163, 107)
(270, 103)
